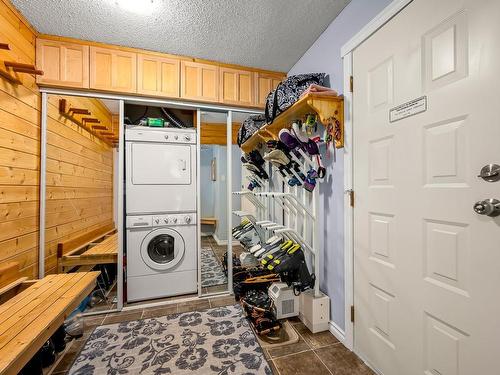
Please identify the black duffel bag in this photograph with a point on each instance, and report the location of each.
(288, 92)
(249, 127)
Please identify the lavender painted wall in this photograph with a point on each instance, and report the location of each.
(324, 56)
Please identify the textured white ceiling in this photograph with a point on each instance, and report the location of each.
(269, 34)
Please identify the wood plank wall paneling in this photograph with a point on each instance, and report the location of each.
(79, 165)
(79, 176)
(215, 133)
(19, 149)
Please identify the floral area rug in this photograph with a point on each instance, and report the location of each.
(211, 270)
(216, 341)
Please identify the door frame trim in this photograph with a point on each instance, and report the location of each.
(371, 27)
(346, 54)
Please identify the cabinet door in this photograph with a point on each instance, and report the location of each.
(63, 64)
(265, 83)
(158, 76)
(113, 70)
(199, 81)
(236, 87)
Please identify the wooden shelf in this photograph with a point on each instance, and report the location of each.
(326, 107)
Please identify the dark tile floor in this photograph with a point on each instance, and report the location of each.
(219, 252)
(319, 353)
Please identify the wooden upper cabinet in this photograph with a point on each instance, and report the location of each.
(113, 70)
(199, 81)
(265, 83)
(63, 64)
(158, 76)
(236, 87)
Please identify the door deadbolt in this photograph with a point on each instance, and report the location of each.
(490, 173)
(488, 207)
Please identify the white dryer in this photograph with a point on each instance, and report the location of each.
(160, 170)
(161, 256)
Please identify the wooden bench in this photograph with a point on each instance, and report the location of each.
(208, 221)
(34, 310)
(96, 247)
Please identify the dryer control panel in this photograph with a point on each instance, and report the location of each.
(161, 135)
(174, 219)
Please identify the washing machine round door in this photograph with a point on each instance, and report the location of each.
(162, 249)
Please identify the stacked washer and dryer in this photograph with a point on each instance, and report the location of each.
(160, 212)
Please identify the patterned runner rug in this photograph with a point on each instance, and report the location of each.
(216, 341)
(211, 270)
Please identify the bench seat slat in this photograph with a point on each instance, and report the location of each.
(20, 300)
(35, 308)
(75, 244)
(104, 252)
(36, 327)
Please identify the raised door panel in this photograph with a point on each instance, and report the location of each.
(113, 70)
(263, 89)
(236, 87)
(199, 81)
(246, 88)
(101, 62)
(124, 71)
(190, 81)
(228, 86)
(210, 83)
(147, 75)
(158, 76)
(265, 83)
(275, 82)
(170, 77)
(63, 64)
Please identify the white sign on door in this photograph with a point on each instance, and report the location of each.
(408, 109)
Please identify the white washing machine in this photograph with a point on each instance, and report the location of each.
(161, 256)
(160, 170)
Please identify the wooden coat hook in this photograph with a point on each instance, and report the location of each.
(69, 113)
(23, 68)
(78, 111)
(10, 78)
(90, 120)
(5, 46)
(88, 123)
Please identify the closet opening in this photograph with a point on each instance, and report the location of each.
(79, 205)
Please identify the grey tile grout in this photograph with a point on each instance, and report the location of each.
(310, 346)
(327, 368)
(328, 345)
(302, 337)
(303, 351)
(312, 349)
(274, 366)
(291, 354)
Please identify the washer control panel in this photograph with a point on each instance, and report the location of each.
(174, 219)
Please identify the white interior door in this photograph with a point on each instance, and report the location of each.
(426, 266)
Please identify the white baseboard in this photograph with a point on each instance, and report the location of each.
(336, 331)
(368, 364)
(223, 242)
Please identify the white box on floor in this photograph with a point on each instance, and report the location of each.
(286, 303)
(314, 312)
